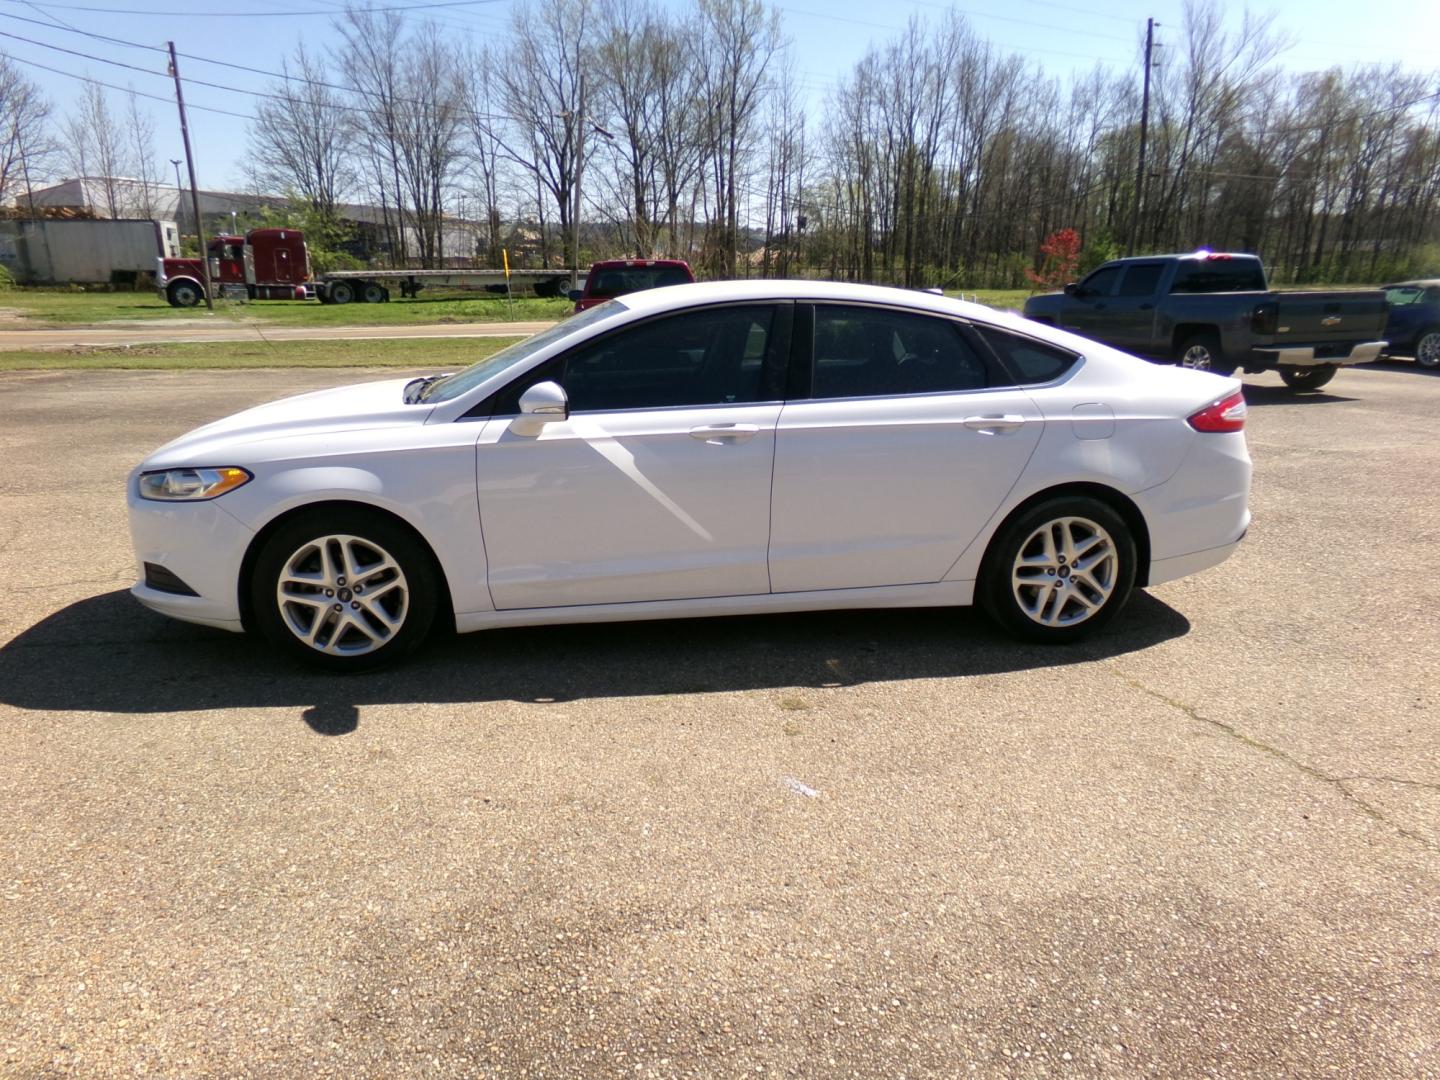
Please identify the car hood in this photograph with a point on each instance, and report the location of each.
(1046, 303)
(364, 406)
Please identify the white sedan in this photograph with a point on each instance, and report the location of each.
(715, 449)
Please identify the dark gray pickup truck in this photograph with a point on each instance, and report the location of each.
(1215, 311)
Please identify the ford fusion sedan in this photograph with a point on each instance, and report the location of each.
(711, 449)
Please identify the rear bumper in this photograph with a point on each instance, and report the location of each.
(1304, 355)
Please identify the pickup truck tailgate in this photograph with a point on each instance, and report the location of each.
(1330, 318)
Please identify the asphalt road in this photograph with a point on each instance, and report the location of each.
(159, 332)
(878, 844)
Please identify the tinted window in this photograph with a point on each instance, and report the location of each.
(1141, 279)
(865, 352)
(1030, 361)
(619, 280)
(1218, 275)
(712, 357)
(1102, 281)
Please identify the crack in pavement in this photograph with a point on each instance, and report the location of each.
(1336, 782)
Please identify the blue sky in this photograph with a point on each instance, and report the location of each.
(1060, 36)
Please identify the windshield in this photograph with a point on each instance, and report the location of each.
(452, 386)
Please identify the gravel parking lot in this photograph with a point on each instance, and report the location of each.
(872, 844)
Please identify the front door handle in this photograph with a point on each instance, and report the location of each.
(720, 434)
(995, 425)
(1147, 307)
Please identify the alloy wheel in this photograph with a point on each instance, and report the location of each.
(1065, 572)
(1197, 357)
(1427, 350)
(342, 595)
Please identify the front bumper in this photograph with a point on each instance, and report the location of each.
(1304, 355)
(199, 543)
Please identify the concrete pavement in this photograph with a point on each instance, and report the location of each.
(877, 844)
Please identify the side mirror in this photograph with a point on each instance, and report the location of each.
(575, 295)
(544, 403)
(1071, 289)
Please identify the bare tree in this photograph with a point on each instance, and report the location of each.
(25, 142)
(735, 44)
(95, 141)
(543, 88)
(140, 133)
(298, 141)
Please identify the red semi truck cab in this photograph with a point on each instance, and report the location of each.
(264, 264)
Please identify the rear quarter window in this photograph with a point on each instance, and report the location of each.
(1029, 361)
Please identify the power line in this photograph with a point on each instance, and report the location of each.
(265, 14)
(123, 89)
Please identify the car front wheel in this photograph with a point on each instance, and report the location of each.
(1059, 571)
(344, 590)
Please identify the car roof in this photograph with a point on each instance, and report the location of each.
(1419, 283)
(654, 301)
(607, 264)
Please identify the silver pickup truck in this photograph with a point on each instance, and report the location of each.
(1215, 311)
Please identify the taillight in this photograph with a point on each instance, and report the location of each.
(1265, 319)
(1227, 414)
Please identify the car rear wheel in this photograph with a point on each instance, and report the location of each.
(1307, 378)
(1202, 353)
(1059, 571)
(1427, 348)
(372, 293)
(344, 590)
(341, 292)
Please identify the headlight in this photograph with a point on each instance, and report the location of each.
(191, 485)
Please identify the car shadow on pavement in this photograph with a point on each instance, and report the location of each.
(108, 654)
(1257, 394)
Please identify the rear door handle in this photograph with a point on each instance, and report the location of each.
(724, 433)
(995, 425)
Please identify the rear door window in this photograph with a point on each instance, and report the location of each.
(873, 352)
(1141, 279)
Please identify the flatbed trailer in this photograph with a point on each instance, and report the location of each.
(373, 286)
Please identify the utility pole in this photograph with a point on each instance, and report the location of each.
(1150, 25)
(579, 168)
(190, 165)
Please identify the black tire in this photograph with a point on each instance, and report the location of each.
(363, 632)
(341, 292)
(1307, 378)
(184, 294)
(1202, 353)
(372, 293)
(1044, 612)
(1427, 348)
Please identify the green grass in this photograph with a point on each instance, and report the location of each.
(401, 352)
(64, 307)
(1004, 299)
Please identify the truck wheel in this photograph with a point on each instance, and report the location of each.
(1202, 352)
(1307, 378)
(183, 294)
(1427, 348)
(372, 293)
(341, 292)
